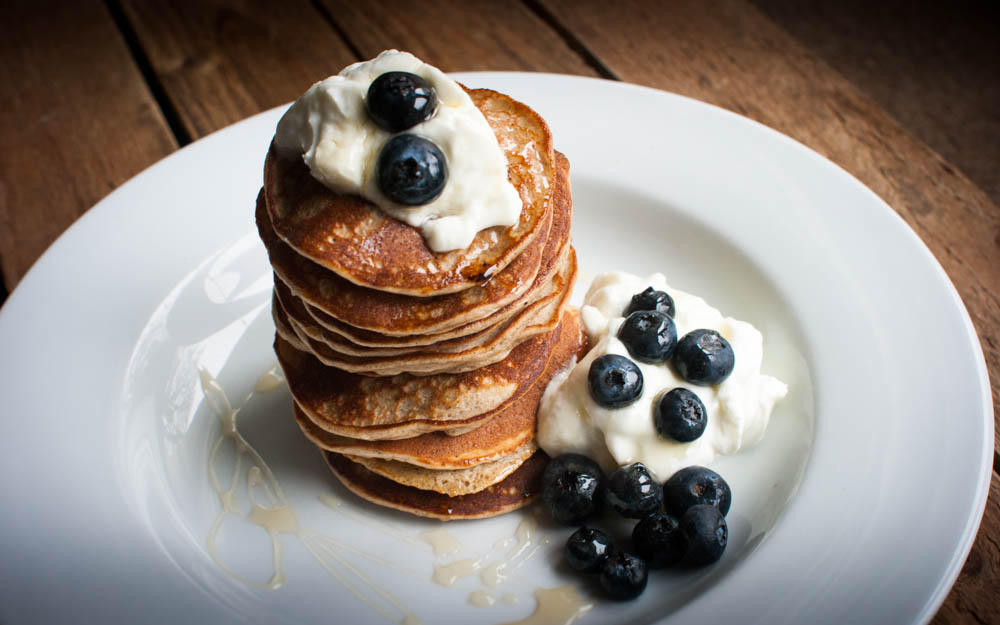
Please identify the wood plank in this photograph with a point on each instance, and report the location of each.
(220, 61)
(931, 65)
(974, 597)
(736, 57)
(67, 137)
(457, 36)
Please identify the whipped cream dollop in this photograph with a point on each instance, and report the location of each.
(329, 127)
(738, 409)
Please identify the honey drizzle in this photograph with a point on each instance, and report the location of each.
(273, 513)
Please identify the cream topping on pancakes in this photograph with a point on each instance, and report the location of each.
(329, 127)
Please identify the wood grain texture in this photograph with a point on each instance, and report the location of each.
(457, 36)
(77, 121)
(220, 61)
(737, 58)
(934, 66)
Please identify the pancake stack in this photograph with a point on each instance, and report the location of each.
(419, 373)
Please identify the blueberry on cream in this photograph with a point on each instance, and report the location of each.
(680, 415)
(648, 335)
(411, 170)
(704, 357)
(651, 299)
(398, 101)
(615, 381)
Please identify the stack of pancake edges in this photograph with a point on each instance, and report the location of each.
(419, 374)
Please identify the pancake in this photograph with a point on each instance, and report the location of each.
(353, 238)
(451, 482)
(403, 406)
(300, 319)
(540, 317)
(509, 429)
(342, 302)
(515, 491)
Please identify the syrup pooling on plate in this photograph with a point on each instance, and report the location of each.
(277, 516)
(270, 509)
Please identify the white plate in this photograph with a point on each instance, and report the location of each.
(859, 506)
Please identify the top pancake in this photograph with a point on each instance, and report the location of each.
(404, 316)
(357, 241)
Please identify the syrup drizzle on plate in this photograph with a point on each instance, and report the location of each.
(269, 509)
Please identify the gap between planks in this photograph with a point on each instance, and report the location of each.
(160, 95)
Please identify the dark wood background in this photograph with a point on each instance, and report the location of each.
(904, 95)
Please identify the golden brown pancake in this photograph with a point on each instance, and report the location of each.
(343, 302)
(517, 490)
(402, 406)
(510, 428)
(452, 482)
(353, 238)
(539, 317)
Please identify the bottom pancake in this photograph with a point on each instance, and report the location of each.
(515, 491)
(453, 482)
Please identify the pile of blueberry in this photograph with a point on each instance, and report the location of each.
(681, 522)
(410, 170)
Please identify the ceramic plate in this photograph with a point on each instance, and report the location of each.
(133, 342)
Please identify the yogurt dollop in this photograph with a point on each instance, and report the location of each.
(329, 127)
(738, 409)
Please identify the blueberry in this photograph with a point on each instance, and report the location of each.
(680, 415)
(400, 100)
(615, 381)
(705, 534)
(703, 357)
(411, 170)
(570, 485)
(694, 486)
(633, 492)
(624, 575)
(658, 540)
(649, 335)
(651, 300)
(586, 549)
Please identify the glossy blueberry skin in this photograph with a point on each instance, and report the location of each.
(411, 170)
(571, 484)
(692, 486)
(649, 336)
(680, 415)
(632, 491)
(658, 540)
(615, 381)
(705, 535)
(703, 357)
(586, 549)
(651, 299)
(400, 100)
(624, 575)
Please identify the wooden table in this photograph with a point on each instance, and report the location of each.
(94, 92)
